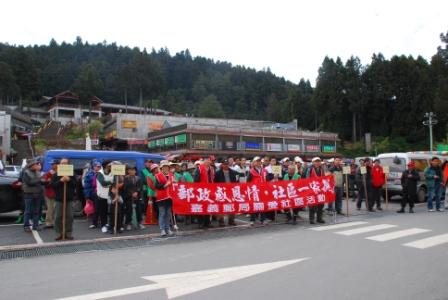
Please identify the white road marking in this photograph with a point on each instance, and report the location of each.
(366, 229)
(337, 226)
(181, 284)
(37, 237)
(8, 225)
(396, 234)
(429, 242)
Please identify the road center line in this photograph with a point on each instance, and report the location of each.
(37, 237)
(366, 229)
(337, 226)
(429, 242)
(396, 234)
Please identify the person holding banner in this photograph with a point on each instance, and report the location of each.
(336, 170)
(314, 171)
(292, 174)
(58, 183)
(163, 182)
(205, 174)
(257, 174)
(227, 175)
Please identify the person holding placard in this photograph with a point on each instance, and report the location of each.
(292, 174)
(336, 170)
(61, 182)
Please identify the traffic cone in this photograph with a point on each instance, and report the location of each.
(150, 215)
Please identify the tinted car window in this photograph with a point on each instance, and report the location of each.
(395, 164)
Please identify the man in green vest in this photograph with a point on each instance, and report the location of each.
(147, 190)
(292, 175)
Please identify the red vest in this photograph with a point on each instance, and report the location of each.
(257, 177)
(162, 194)
(204, 174)
(378, 178)
(313, 173)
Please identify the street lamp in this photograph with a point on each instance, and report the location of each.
(430, 122)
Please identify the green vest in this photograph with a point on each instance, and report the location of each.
(296, 176)
(187, 176)
(150, 192)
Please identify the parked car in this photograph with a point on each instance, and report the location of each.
(13, 171)
(10, 194)
(397, 163)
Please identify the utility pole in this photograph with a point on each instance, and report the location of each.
(430, 122)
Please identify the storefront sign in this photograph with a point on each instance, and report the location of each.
(130, 124)
(328, 149)
(229, 145)
(169, 141)
(160, 142)
(312, 148)
(274, 147)
(294, 148)
(199, 144)
(152, 144)
(252, 146)
(180, 139)
(244, 198)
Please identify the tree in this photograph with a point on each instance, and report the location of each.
(210, 108)
(8, 86)
(87, 85)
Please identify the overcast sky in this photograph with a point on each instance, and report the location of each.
(290, 37)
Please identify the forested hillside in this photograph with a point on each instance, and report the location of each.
(387, 97)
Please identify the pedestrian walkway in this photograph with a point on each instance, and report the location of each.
(362, 228)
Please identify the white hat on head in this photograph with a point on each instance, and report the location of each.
(316, 159)
(297, 159)
(164, 163)
(256, 158)
(198, 162)
(331, 160)
(285, 159)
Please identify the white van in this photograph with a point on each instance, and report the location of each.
(398, 162)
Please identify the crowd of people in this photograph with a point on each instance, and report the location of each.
(118, 203)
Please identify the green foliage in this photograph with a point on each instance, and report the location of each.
(210, 108)
(387, 97)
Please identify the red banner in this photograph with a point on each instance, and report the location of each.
(244, 198)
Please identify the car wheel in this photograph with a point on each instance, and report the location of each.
(421, 195)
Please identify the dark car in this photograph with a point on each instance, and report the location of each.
(10, 194)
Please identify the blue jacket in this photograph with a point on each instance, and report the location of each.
(88, 186)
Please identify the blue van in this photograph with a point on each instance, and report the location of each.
(79, 158)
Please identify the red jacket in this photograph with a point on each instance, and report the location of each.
(162, 192)
(204, 176)
(258, 177)
(49, 191)
(378, 177)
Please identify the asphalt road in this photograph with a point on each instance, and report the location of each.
(376, 256)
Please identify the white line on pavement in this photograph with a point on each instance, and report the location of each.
(366, 229)
(396, 234)
(337, 226)
(7, 225)
(429, 242)
(37, 237)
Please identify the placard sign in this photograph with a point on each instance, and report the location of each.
(277, 170)
(118, 170)
(346, 170)
(65, 170)
(363, 170)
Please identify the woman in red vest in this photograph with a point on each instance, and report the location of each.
(164, 203)
(205, 174)
(257, 174)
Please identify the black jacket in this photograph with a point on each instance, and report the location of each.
(410, 183)
(219, 176)
(58, 187)
(132, 184)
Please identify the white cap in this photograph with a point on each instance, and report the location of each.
(198, 162)
(331, 160)
(256, 158)
(285, 159)
(164, 163)
(297, 159)
(315, 159)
